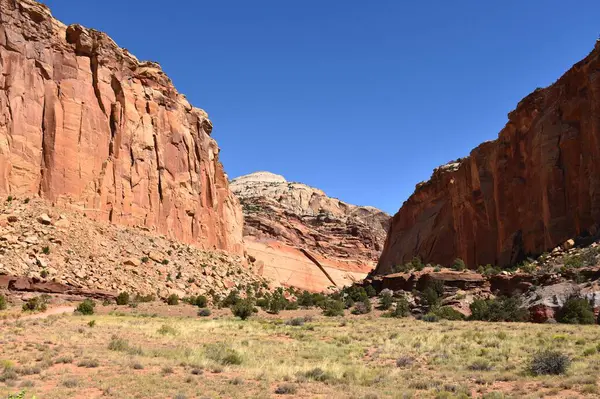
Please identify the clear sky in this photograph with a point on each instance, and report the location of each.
(359, 98)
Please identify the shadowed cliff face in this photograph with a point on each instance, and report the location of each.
(528, 191)
(84, 123)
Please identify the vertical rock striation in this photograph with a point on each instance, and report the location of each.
(524, 193)
(84, 123)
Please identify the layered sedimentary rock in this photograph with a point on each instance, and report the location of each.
(84, 123)
(524, 193)
(305, 238)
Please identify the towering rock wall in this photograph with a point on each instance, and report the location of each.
(84, 123)
(528, 191)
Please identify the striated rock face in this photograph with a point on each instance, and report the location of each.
(534, 187)
(305, 238)
(84, 123)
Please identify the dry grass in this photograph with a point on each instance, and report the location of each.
(165, 357)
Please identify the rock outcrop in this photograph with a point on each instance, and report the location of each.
(84, 123)
(526, 192)
(305, 238)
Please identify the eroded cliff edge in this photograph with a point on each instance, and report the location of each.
(535, 186)
(84, 123)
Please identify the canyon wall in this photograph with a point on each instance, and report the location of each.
(83, 123)
(303, 238)
(535, 186)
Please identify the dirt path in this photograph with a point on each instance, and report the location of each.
(50, 312)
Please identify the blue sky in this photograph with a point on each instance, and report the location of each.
(361, 99)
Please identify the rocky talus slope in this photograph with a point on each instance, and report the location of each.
(85, 124)
(63, 251)
(303, 238)
(524, 193)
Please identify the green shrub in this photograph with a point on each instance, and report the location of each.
(448, 313)
(123, 299)
(416, 264)
(36, 304)
(433, 293)
(370, 291)
(201, 301)
(204, 312)
(480, 365)
(277, 303)
(222, 354)
(318, 374)
(3, 303)
(333, 307)
(430, 317)
(231, 299)
(498, 309)
(286, 389)
(144, 298)
(243, 308)
(86, 307)
(46, 250)
(172, 300)
(549, 362)
(386, 300)
(459, 264)
(576, 311)
(306, 299)
(401, 309)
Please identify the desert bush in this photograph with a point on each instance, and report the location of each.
(549, 362)
(386, 300)
(201, 301)
(404, 361)
(498, 309)
(231, 299)
(3, 303)
(333, 307)
(448, 313)
(480, 365)
(362, 307)
(204, 312)
(458, 264)
(172, 300)
(430, 317)
(576, 311)
(88, 363)
(277, 303)
(306, 299)
(86, 307)
(222, 354)
(401, 309)
(36, 304)
(123, 299)
(286, 389)
(296, 321)
(318, 374)
(433, 292)
(243, 308)
(167, 330)
(370, 291)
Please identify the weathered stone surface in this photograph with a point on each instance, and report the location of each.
(303, 237)
(84, 123)
(525, 193)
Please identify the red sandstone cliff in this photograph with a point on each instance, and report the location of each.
(84, 123)
(535, 186)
